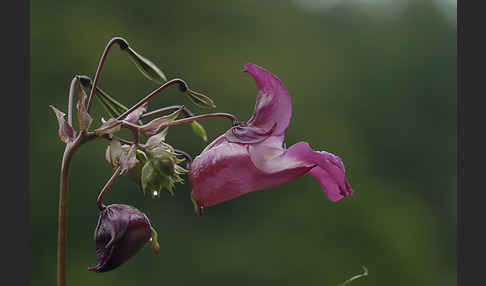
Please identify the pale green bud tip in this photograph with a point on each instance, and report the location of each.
(199, 130)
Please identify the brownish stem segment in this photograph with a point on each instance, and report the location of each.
(184, 109)
(99, 201)
(203, 116)
(123, 45)
(152, 94)
(69, 151)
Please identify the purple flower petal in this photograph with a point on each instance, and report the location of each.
(327, 168)
(229, 170)
(273, 101)
(226, 171)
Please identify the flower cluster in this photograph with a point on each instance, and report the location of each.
(250, 156)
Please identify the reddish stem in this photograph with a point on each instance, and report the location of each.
(99, 202)
(184, 109)
(123, 45)
(203, 116)
(152, 94)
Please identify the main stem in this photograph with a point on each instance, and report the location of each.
(69, 151)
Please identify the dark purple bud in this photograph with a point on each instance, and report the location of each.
(121, 232)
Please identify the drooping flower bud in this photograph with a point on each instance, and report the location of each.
(121, 232)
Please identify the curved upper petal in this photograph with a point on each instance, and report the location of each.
(273, 105)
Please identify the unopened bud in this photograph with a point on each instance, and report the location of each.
(121, 232)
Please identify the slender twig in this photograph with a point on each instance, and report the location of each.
(111, 137)
(184, 109)
(233, 119)
(99, 201)
(152, 94)
(365, 273)
(134, 126)
(123, 45)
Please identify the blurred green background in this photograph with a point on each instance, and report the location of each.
(371, 81)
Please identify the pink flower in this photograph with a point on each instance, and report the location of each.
(251, 156)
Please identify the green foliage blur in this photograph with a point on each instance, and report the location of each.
(375, 86)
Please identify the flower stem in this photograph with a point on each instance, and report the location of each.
(123, 44)
(365, 273)
(69, 151)
(152, 94)
(233, 119)
(112, 137)
(184, 109)
(99, 201)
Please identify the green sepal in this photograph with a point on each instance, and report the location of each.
(201, 100)
(155, 241)
(147, 175)
(146, 67)
(199, 130)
